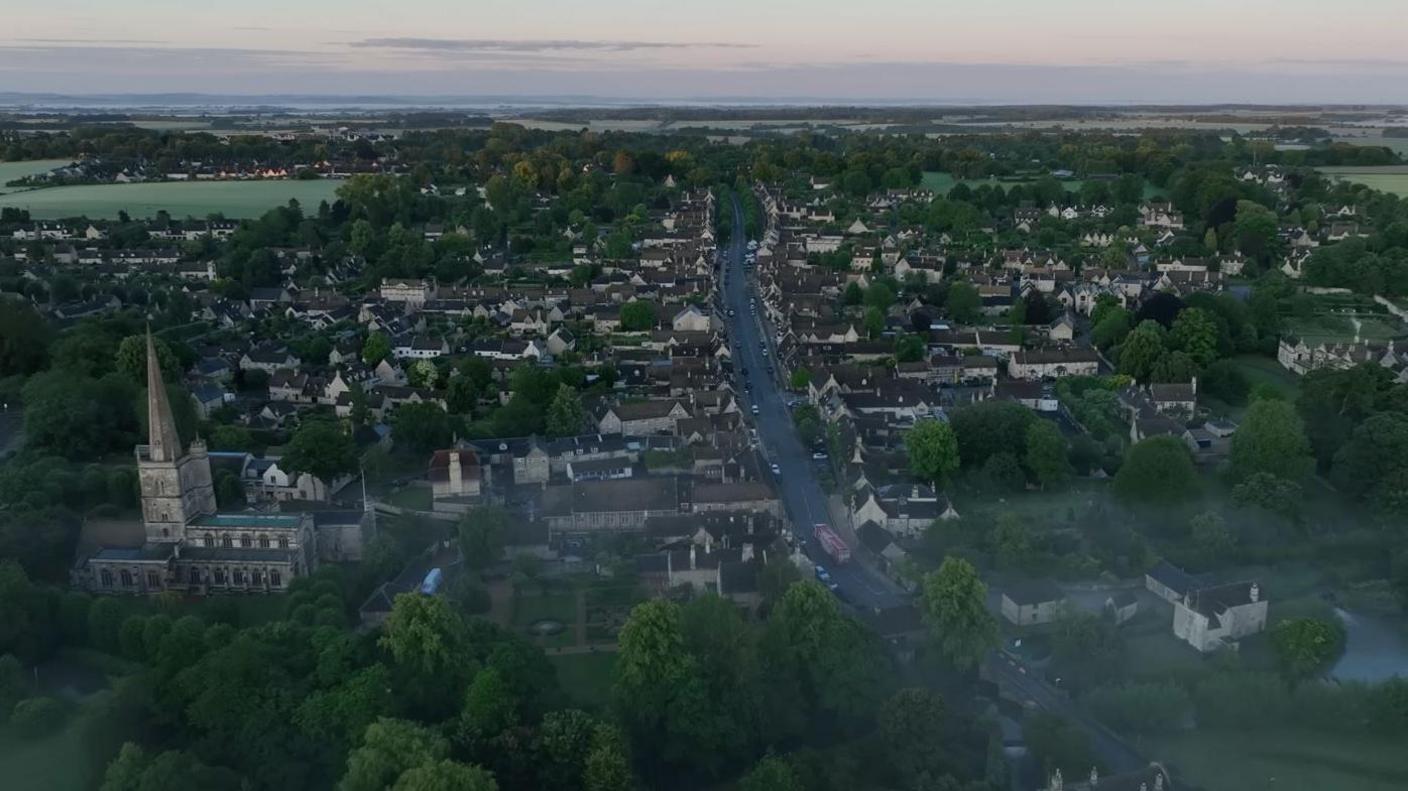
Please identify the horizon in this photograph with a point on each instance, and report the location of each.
(904, 51)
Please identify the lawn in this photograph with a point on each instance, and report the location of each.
(54, 763)
(9, 171)
(557, 606)
(234, 199)
(586, 678)
(1284, 760)
(416, 498)
(1342, 329)
(941, 182)
(1264, 370)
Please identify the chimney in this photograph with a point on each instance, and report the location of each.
(456, 484)
(1159, 781)
(1094, 777)
(1057, 784)
(1195, 385)
(1255, 593)
(692, 558)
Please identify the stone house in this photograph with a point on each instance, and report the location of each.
(1030, 603)
(1217, 617)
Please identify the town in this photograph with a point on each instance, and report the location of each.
(577, 459)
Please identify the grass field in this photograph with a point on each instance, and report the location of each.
(1343, 329)
(1385, 178)
(53, 763)
(416, 498)
(234, 199)
(586, 678)
(9, 171)
(1285, 760)
(1264, 370)
(941, 183)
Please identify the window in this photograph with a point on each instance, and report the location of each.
(105, 575)
(237, 576)
(275, 579)
(257, 577)
(126, 578)
(283, 542)
(195, 576)
(153, 579)
(219, 576)
(226, 542)
(264, 542)
(245, 541)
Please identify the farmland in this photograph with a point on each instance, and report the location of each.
(941, 183)
(1386, 178)
(9, 171)
(234, 199)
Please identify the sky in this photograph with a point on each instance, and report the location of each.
(998, 51)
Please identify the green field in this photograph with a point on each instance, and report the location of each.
(941, 183)
(9, 171)
(53, 763)
(1385, 178)
(234, 199)
(1264, 370)
(1327, 328)
(1284, 760)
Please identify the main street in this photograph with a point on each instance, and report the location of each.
(801, 492)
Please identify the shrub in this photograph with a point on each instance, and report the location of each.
(35, 718)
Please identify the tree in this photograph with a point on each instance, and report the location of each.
(489, 707)
(24, 339)
(1003, 472)
(1306, 646)
(376, 348)
(608, 765)
(911, 727)
(423, 633)
(322, 449)
(422, 373)
(1195, 333)
(801, 377)
(990, 427)
(1374, 463)
(637, 316)
(964, 303)
(565, 415)
(1271, 439)
(1157, 470)
(954, 607)
(771, 774)
(564, 742)
(445, 775)
(1141, 350)
(933, 450)
(1047, 455)
(132, 359)
(1111, 330)
(1213, 540)
(482, 533)
(1264, 490)
(873, 322)
(1055, 744)
(423, 427)
(1086, 650)
(652, 668)
(389, 748)
(1148, 707)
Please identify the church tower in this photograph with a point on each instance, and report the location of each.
(176, 483)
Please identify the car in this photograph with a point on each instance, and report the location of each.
(732, 312)
(822, 574)
(819, 455)
(776, 470)
(755, 409)
(743, 372)
(765, 353)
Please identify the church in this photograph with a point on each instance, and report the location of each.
(185, 544)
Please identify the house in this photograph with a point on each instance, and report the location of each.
(455, 475)
(613, 506)
(1030, 603)
(691, 319)
(1212, 618)
(608, 469)
(1168, 582)
(1055, 363)
(881, 544)
(642, 418)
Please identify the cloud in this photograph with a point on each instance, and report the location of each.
(496, 45)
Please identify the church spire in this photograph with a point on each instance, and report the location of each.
(163, 444)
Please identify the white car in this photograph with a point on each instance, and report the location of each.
(776, 470)
(755, 409)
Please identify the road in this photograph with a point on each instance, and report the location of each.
(1029, 688)
(802, 495)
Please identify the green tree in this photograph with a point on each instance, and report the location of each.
(566, 415)
(637, 316)
(911, 727)
(1374, 463)
(389, 748)
(1264, 490)
(1141, 350)
(1211, 536)
(422, 428)
(873, 322)
(1086, 650)
(1111, 330)
(771, 774)
(1271, 439)
(990, 427)
(1195, 333)
(483, 532)
(424, 634)
(801, 377)
(565, 740)
(954, 606)
(322, 449)
(24, 339)
(489, 706)
(376, 348)
(1306, 646)
(1047, 456)
(1157, 470)
(132, 359)
(933, 450)
(445, 775)
(963, 302)
(608, 764)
